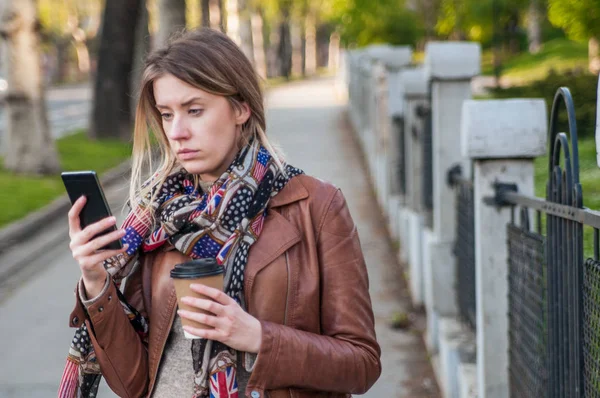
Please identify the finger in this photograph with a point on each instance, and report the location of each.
(215, 294)
(206, 319)
(102, 241)
(94, 229)
(210, 334)
(100, 257)
(74, 223)
(207, 305)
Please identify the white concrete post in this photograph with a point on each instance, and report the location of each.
(449, 67)
(502, 137)
(384, 58)
(387, 153)
(414, 86)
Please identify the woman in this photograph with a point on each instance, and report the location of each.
(294, 318)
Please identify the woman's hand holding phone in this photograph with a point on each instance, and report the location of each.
(85, 249)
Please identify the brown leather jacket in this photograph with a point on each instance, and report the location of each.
(305, 280)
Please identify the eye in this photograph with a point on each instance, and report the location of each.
(166, 116)
(195, 112)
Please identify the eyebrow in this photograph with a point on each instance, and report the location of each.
(183, 104)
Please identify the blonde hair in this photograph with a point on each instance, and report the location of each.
(211, 61)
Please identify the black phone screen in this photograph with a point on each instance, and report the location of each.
(85, 183)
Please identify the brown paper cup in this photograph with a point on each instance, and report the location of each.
(184, 275)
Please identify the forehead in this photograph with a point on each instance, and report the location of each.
(171, 91)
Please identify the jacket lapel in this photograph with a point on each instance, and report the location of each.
(278, 234)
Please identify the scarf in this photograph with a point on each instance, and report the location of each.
(223, 224)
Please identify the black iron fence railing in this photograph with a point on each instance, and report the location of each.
(464, 246)
(570, 285)
(427, 180)
(398, 126)
(528, 372)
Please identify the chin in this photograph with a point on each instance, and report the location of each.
(196, 167)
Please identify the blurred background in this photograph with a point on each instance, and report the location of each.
(76, 62)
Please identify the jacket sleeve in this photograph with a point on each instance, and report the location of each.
(345, 356)
(120, 351)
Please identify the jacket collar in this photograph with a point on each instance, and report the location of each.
(293, 191)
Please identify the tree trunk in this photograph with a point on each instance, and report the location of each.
(205, 5)
(171, 19)
(245, 29)
(296, 32)
(217, 15)
(333, 62)
(83, 55)
(284, 49)
(111, 113)
(593, 55)
(258, 43)
(310, 49)
(534, 26)
(233, 21)
(62, 58)
(141, 49)
(29, 147)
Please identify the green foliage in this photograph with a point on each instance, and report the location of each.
(22, 195)
(364, 22)
(559, 55)
(474, 19)
(580, 18)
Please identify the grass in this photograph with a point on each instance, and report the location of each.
(559, 55)
(24, 194)
(589, 176)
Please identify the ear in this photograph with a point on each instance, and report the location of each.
(242, 114)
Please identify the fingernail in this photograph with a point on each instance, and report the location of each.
(185, 299)
(126, 246)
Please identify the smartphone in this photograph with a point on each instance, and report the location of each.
(86, 183)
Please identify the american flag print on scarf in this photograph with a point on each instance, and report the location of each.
(222, 223)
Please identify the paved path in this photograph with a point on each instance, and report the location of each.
(307, 119)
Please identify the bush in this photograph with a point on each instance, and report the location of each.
(583, 89)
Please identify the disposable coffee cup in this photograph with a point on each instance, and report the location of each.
(205, 271)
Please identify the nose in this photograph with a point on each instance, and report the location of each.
(178, 130)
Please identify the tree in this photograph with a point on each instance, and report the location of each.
(111, 112)
(581, 21)
(205, 7)
(29, 145)
(66, 25)
(534, 26)
(171, 18)
(142, 47)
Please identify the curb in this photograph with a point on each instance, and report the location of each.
(33, 223)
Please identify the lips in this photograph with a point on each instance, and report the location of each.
(186, 154)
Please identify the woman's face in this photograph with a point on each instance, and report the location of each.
(203, 129)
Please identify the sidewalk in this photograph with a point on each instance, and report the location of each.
(307, 120)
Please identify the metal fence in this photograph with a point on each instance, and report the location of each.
(555, 302)
(427, 180)
(528, 373)
(398, 126)
(464, 246)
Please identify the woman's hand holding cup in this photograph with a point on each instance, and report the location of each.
(85, 248)
(230, 324)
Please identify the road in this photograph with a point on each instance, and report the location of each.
(307, 119)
